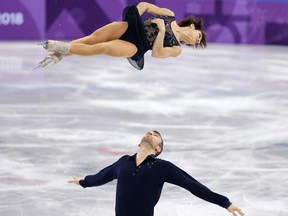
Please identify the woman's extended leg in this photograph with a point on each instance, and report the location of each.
(114, 48)
(104, 41)
(106, 33)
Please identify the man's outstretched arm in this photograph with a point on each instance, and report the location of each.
(175, 175)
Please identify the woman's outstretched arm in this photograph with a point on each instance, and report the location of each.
(153, 9)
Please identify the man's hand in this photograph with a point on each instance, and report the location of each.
(74, 180)
(233, 209)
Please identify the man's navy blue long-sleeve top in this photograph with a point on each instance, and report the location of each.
(139, 188)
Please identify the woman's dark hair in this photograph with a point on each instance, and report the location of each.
(198, 23)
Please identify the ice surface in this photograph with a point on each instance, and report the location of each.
(223, 114)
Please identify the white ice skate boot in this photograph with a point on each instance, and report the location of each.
(56, 46)
(51, 58)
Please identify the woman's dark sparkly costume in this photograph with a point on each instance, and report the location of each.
(142, 33)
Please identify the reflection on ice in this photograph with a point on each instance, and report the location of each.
(222, 113)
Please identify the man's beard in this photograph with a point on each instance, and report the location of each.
(146, 140)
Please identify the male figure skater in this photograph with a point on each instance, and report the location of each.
(140, 179)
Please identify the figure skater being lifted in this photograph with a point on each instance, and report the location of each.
(133, 37)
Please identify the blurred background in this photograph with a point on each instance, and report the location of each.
(226, 21)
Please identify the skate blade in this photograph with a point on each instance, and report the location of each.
(37, 67)
(43, 44)
(45, 62)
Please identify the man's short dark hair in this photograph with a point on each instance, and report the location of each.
(161, 144)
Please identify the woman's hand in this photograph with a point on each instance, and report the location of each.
(75, 180)
(233, 209)
(160, 24)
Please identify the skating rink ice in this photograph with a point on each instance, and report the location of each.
(223, 114)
